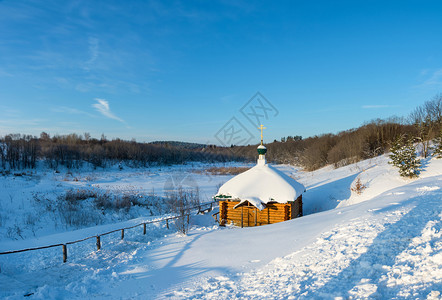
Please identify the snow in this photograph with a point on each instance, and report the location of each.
(261, 184)
(385, 243)
(29, 207)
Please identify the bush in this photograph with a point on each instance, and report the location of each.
(103, 201)
(79, 195)
(71, 210)
(358, 187)
(226, 170)
(180, 202)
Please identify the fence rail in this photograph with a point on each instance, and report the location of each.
(122, 229)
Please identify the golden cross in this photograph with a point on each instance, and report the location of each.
(261, 127)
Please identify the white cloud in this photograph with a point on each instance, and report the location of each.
(102, 106)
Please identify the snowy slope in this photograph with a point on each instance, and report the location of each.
(384, 243)
(387, 248)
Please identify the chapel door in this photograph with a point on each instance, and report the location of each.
(250, 216)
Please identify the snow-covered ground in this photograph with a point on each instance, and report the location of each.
(29, 207)
(385, 243)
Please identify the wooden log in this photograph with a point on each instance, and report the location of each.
(276, 219)
(65, 253)
(144, 228)
(98, 243)
(234, 212)
(268, 215)
(274, 222)
(262, 220)
(277, 213)
(122, 234)
(223, 213)
(256, 216)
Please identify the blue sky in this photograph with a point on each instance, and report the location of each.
(172, 70)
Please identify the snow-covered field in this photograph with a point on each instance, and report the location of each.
(385, 243)
(29, 207)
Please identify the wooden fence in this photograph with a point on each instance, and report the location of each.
(201, 208)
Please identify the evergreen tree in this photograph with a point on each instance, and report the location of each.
(403, 155)
(396, 154)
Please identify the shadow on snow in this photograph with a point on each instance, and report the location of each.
(314, 199)
(370, 266)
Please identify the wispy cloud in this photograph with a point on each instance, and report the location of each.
(377, 106)
(3, 73)
(8, 112)
(94, 44)
(424, 72)
(434, 79)
(430, 79)
(15, 123)
(102, 106)
(70, 110)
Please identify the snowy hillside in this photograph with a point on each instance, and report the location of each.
(385, 243)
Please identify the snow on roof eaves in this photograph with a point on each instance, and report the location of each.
(260, 185)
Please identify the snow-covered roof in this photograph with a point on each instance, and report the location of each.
(260, 185)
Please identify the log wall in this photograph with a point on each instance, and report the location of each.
(248, 215)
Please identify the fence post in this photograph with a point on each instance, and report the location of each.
(122, 234)
(98, 243)
(144, 228)
(188, 218)
(167, 223)
(65, 253)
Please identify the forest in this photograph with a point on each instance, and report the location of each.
(21, 151)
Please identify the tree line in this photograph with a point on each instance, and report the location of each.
(343, 148)
(19, 151)
(369, 140)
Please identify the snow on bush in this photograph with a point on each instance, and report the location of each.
(403, 156)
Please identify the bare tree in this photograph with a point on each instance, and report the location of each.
(427, 120)
(434, 110)
(87, 136)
